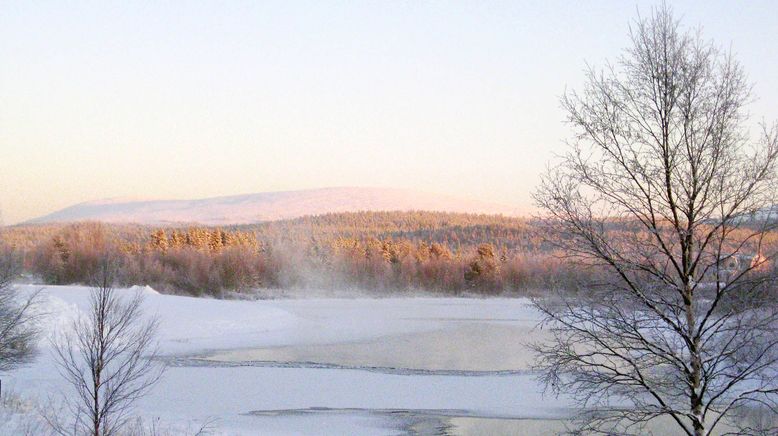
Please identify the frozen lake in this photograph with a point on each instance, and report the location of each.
(332, 366)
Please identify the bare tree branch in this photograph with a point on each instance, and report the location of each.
(18, 316)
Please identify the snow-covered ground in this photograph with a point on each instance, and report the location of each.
(325, 366)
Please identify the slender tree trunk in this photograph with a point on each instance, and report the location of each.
(96, 405)
(695, 395)
(99, 364)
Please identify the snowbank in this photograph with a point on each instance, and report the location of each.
(187, 324)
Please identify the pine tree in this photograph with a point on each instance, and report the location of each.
(159, 241)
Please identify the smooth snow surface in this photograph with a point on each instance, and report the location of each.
(324, 366)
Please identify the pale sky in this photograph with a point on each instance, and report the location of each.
(196, 99)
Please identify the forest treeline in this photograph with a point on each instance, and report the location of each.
(374, 251)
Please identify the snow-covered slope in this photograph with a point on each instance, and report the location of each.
(267, 206)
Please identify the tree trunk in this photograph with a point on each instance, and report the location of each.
(695, 396)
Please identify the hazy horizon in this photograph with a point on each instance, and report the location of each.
(194, 100)
(269, 206)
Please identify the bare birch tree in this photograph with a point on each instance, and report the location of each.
(108, 359)
(18, 327)
(666, 197)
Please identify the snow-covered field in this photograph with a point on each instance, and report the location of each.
(327, 366)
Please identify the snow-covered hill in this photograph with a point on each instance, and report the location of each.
(267, 206)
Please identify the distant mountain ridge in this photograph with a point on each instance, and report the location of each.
(267, 206)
